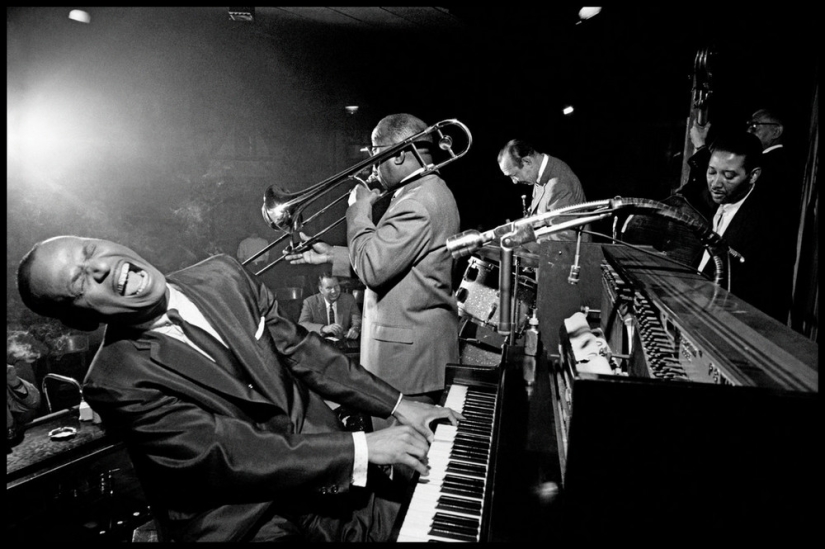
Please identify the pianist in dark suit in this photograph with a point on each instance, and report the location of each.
(230, 442)
(345, 321)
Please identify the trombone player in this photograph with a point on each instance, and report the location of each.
(410, 324)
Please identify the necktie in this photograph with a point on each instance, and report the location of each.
(330, 314)
(204, 340)
(719, 215)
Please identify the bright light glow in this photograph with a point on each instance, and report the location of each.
(45, 134)
(80, 15)
(588, 12)
(351, 109)
(568, 110)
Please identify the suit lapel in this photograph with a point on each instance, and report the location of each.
(229, 315)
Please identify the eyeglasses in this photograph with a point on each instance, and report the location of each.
(753, 125)
(373, 150)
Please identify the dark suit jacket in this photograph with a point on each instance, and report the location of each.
(765, 279)
(314, 313)
(216, 451)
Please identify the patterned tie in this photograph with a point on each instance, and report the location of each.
(205, 341)
(330, 314)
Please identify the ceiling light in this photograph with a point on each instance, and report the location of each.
(588, 12)
(80, 15)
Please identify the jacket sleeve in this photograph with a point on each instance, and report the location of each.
(379, 254)
(204, 452)
(306, 319)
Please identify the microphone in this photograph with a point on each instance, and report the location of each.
(505, 288)
(575, 268)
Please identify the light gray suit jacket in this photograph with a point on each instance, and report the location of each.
(410, 325)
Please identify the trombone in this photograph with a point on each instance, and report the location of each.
(283, 210)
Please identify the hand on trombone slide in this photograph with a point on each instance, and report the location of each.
(320, 253)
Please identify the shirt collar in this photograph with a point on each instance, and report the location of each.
(541, 169)
(176, 301)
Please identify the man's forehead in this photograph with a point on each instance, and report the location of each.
(507, 163)
(727, 158)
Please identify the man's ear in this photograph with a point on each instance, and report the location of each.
(398, 160)
(755, 173)
(778, 131)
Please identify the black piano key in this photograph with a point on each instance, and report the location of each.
(445, 533)
(461, 491)
(478, 408)
(463, 468)
(472, 438)
(457, 523)
(480, 459)
(464, 505)
(463, 481)
(473, 429)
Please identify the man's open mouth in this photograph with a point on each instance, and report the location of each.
(131, 281)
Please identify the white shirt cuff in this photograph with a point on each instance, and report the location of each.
(400, 396)
(361, 460)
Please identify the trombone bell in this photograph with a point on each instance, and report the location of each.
(276, 210)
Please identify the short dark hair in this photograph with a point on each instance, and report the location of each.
(771, 113)
(517, 149)
(323, 275)
(37, 303)
(740, 143)
(398, 127)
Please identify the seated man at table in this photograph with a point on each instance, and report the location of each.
(330, 312)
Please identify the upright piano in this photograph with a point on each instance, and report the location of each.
(703, 428)
(702, 423)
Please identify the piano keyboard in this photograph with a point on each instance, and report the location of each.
(447, 505)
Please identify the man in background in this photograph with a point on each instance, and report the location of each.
(248, 247)
(330, 312)
(553, 181)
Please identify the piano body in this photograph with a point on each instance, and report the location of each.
(706, 424)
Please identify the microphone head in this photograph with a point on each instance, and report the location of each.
(463, 244)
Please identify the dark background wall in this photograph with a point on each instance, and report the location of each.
(162, 127)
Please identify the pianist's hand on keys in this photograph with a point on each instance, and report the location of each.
(408, 443)
(448, 504)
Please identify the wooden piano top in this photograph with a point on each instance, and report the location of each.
(750, 346)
